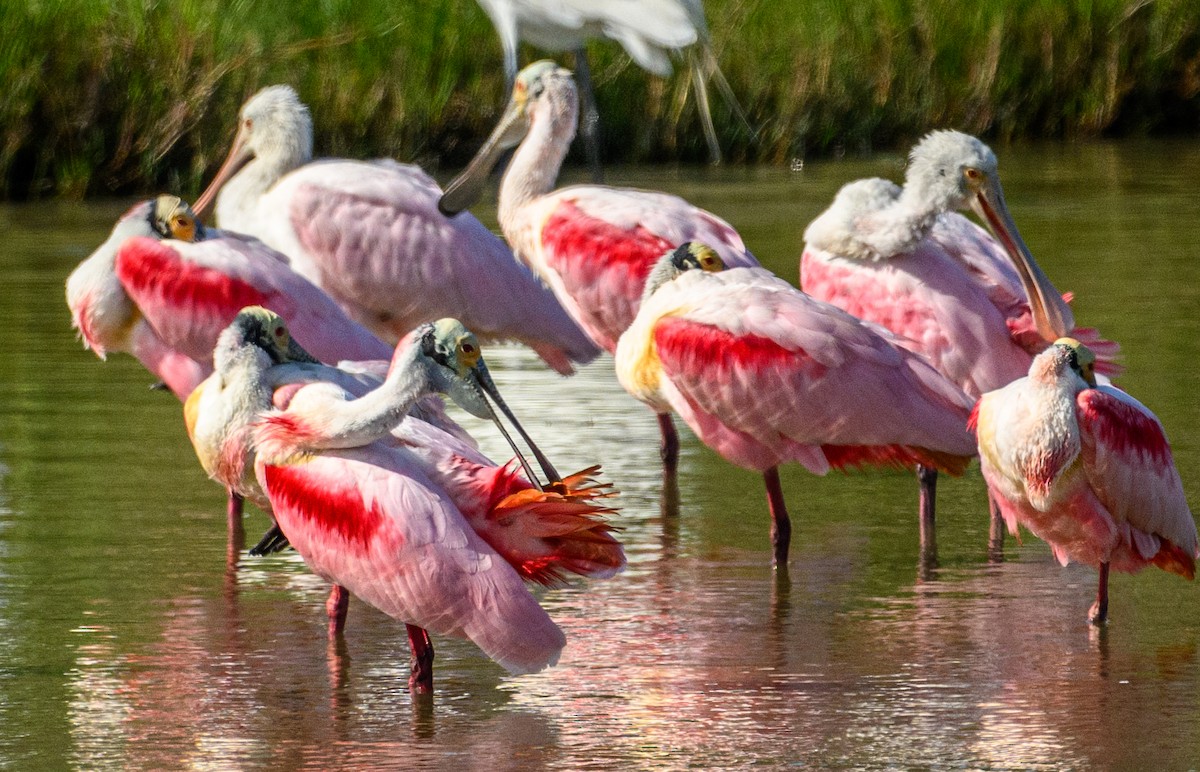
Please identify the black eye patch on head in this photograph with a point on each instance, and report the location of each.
(430, 349)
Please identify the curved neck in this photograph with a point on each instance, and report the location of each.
(353, 423)
(238, 363)
(535, 165)
(895, 229)
(239, 197)
(97, 274)
(917, 207)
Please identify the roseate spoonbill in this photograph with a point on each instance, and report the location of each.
(370, 235)
(905, 259)
(593, 245)
(1086, 467)
(648, 30)
(162, 287)
(220, 412)
(765, 374)
(408, 511)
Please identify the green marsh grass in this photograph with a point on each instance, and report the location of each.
(117, 96)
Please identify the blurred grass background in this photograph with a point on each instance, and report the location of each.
(104, 97)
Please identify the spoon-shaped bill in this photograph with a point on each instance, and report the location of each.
(1051, 314)
(465, 189)
(483, 379)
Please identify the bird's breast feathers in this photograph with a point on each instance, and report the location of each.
(638, 367)
(1032, 438)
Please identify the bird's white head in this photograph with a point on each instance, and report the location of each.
(1066, 358)
(544, 94)
(146, 218)
(273, 125)
(276, 123)
(1080, 358)
(948, 169)
(951, 170)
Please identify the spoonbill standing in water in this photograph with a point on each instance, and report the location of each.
(765, 375)
(162, 287)
(1086, 467)
(593, 245)
(370, 235)
(648, 30)
(905, 259)
(411, 519)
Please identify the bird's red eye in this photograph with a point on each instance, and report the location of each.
(467, 348)
(278, 332)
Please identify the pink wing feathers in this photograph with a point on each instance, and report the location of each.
(1129, 465)
(545, 535)
(936, 308)
(380, 246)
(602, 243)
(990, 267)
(776, 366)
(181, 373)
(189, 292)
(955, 295)
(369, 520)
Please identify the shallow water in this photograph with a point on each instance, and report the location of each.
(127, 640)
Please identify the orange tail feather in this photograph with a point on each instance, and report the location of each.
(1174, 559)
(546, 535)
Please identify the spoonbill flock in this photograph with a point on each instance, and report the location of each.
(313, 337)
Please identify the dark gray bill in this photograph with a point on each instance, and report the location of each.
(483, 380)
(465, 189)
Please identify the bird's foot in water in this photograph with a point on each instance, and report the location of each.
(420, 679)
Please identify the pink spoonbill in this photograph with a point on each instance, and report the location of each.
(370, 235)
(979, 309)
(765, 375)
(1086, 467)
(409, 518)
(162, 287)
(593, 245)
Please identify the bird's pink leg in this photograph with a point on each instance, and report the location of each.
(669, 450)
(336, 607)
(781, 524)
(1098, 613)
(233, 514)
(995, 532)
(928, 527)
(421, 678)
(236, 539)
